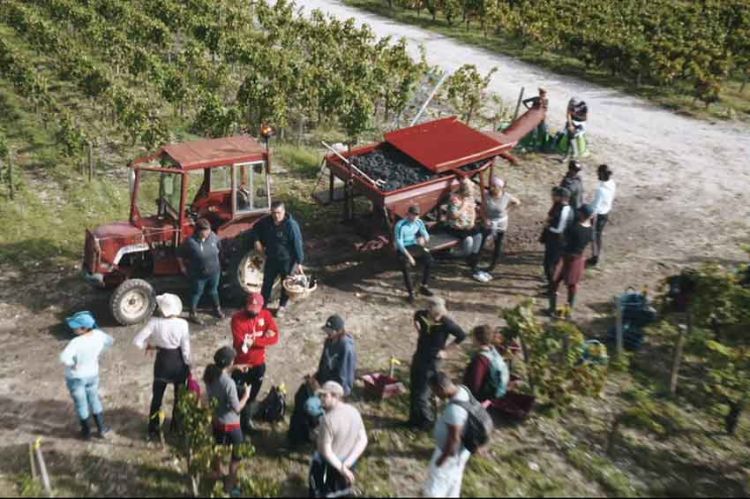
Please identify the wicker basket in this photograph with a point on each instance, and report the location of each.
(298, 286)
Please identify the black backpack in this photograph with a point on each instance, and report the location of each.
(479, 424)
(273, 407)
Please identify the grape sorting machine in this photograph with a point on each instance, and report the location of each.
(419, 165)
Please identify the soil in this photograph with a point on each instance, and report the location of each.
(682, 199)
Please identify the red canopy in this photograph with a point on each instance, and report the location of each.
(206, 153)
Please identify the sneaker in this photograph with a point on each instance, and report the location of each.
(195, 319)
(219, 314)
(105, 433)
(281, 311)
(477, 276)
(424, 290)
(487, 276)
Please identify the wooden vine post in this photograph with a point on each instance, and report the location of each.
(619, 348)
(679, 346)
(11, 191)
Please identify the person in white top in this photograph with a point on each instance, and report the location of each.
(169, 336)
(602, 204)
(81, 360)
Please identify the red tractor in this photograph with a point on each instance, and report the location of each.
(226, 181)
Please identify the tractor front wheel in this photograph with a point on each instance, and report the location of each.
(132, 302)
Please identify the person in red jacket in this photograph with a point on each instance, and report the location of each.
(253, 329)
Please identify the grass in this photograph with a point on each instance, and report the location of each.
(733, 104)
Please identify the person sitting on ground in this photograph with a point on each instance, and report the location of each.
(450, 456)
(338, 361)
(226, 418)
(602, 204)
(306, 413)
(199, 260)
(342, 439)
(410, 240)
(81, 360)
(559, 219)
(487, 375)
(571, 266)
(169, 335)
(433, 326)
(461, 223)
(496, 207)
(253, 329)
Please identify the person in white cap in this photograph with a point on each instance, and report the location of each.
(495, 208)
(341, 441)
(170, 337)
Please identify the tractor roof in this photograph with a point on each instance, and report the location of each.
(206, 153)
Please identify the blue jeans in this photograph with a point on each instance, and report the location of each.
(85, 393)
(199, 284)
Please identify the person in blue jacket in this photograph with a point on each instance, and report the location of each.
(280, 238)
(410, 238)
(339, 359)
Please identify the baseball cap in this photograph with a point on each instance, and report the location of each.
(413, 210)
(334, 323)
(587, 210)
(224, 356)
(81, 319)
(255, 302)
(331, 387)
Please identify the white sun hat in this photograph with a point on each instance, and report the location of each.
(169, 304)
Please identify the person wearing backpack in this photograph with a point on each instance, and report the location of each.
(463, 427)
(487, 375)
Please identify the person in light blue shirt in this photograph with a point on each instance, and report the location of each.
(81, 361)
(410, 239)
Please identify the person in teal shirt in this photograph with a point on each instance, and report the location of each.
(410, 239)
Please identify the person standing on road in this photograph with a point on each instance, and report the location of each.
(81, 360)
(571, 266)
(280, 238)
(497, 205)
(201, 251)
(434, 327)
(170, 337)
(253, 329)
(341, 441)
(602, 205)
(450, 456)
(574, 183)
(559, 218)
(338, 362)
(226, 418)
(410, 238)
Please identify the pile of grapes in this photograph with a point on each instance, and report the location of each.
(393, 167)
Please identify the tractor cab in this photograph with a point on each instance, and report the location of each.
(225, 180)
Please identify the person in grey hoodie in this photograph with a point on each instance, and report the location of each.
(574, 183)
(339, 359)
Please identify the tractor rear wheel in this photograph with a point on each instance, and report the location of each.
(132, 302)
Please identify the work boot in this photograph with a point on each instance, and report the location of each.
(218, 313)
(194, 317)
(410, 298)
(85, 430)
(103, 428)
(552, 305)
(424, 290)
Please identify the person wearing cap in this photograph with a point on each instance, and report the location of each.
(495, 208)
(222, 392)
(571, 266)
(81, 360)
(338, 362)
(169, 336)
(574, 183)
(342, 439)
(410, 238)
(253, 329)
(450, 456)
(279, 237)
(602, 205)
(559, 218)
(201, 252)
(434, 327)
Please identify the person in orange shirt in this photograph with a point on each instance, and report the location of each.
(253, 329)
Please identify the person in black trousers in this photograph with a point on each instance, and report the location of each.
(559, 218)
(280, 237)
(434, 327)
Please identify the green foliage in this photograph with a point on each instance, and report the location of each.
(196, 445)
(645, 412)
(465, 89)
(553, 356)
